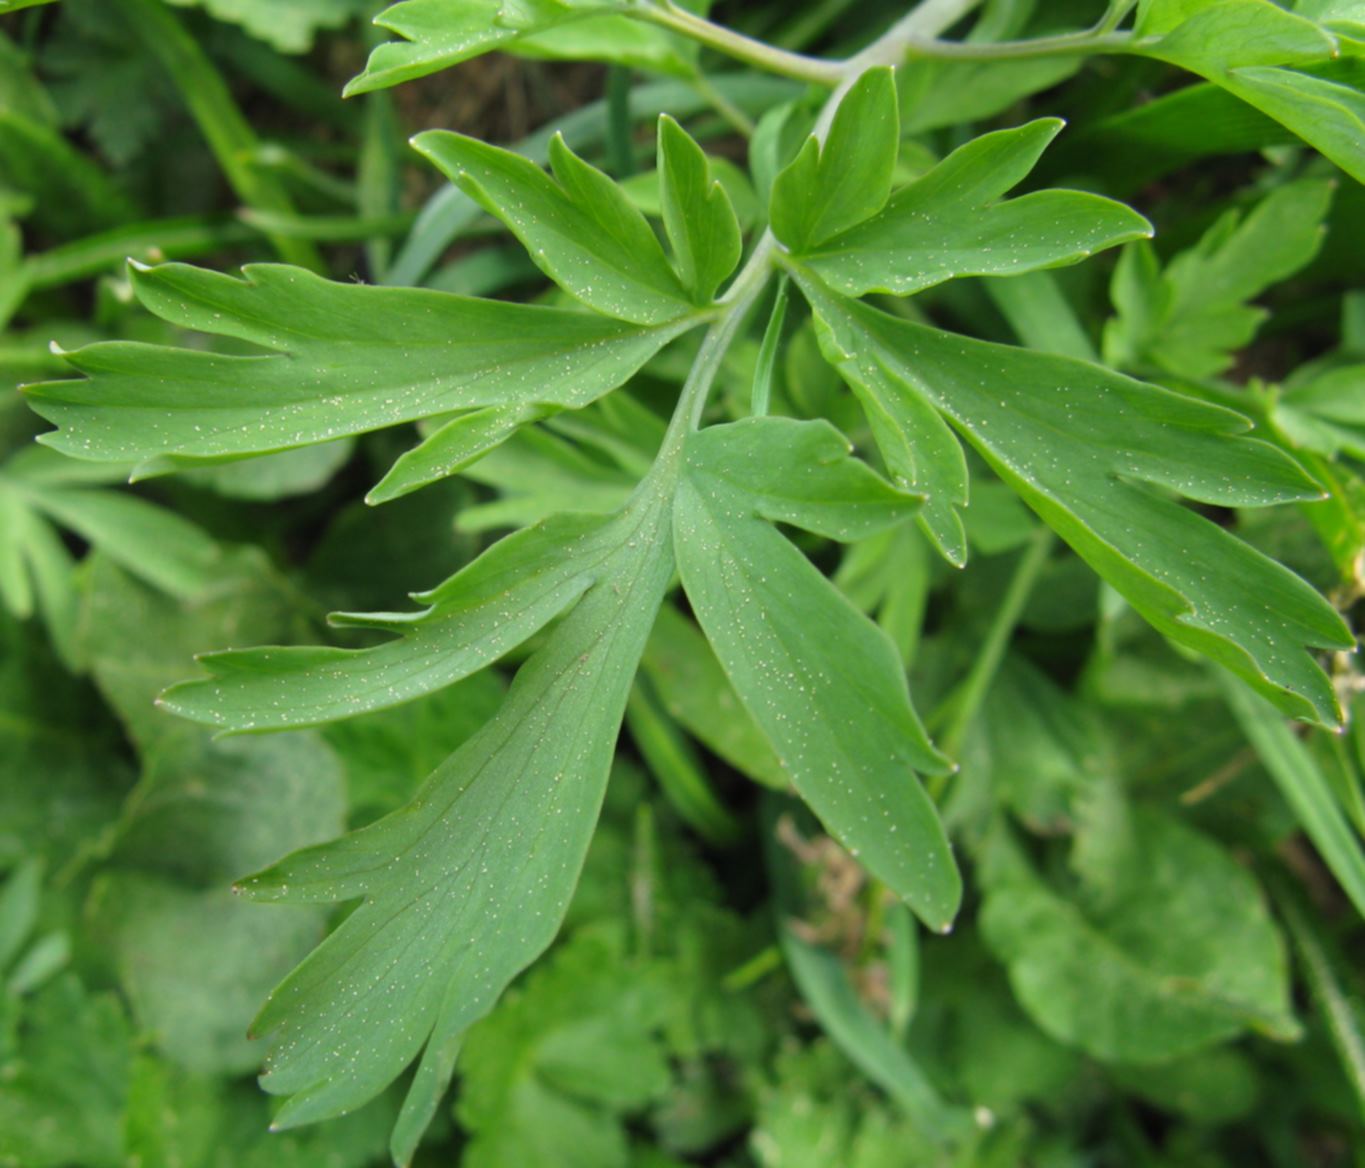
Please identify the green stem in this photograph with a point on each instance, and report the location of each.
(754, 970)
(931, 17)
(915, 38)
(740, 47)
(224, 127)
(1065, 45)
(967, 698)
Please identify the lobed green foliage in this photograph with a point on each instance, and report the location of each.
(952, 503)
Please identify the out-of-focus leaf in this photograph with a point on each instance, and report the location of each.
(440, 33)
(1181, 955)
(548, 1078)
(288, 25)
(1191, 318)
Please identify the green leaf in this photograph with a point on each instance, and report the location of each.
(949, 223)
(1345, 16)
(937, 94)
(1208, 36)
(1324, 106)
(1181, 956)
(1278, 62)
(441, 33)
(275, 476)
(451, 448)
(549, 1078)
(510, 592)
(434, 940)
(831, 187)
(387, 754)
(700, 221)
(150, 541)
(18, 908)
(287, 25)
(206, 812)
(384, 355)
(64, 1092)
(1190, 319)
(195, 963)
(1087, 449)
(83, 772)
(819, 678)
(16, 5)
(246, 601)
(577, 224)
(71, 194)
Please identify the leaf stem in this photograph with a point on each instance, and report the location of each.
(914, 38)
(737, 45)
(1064, 45)
(966, 700)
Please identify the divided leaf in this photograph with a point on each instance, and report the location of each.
(1208, 36)
(949, 223)
(441, 33)
(831, 187)
(1191, 318)
(1092, 452)
(435, 938)
(819, 678)
(578, 226)
(343, 359)
(514, 589)
(1280, 62)
(697, 213)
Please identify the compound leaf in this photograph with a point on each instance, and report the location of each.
(697, 213)
(819, 678)
(1190, 319)
(436, 938)
(1090, 451)
(1213, 35)
(829, 188)
(514, 589)
(579, 227)
(440, 33)
(949, 224)
(342, 359)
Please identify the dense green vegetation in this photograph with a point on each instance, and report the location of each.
(887, 480)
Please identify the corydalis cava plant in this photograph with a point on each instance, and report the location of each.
(460, 890)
